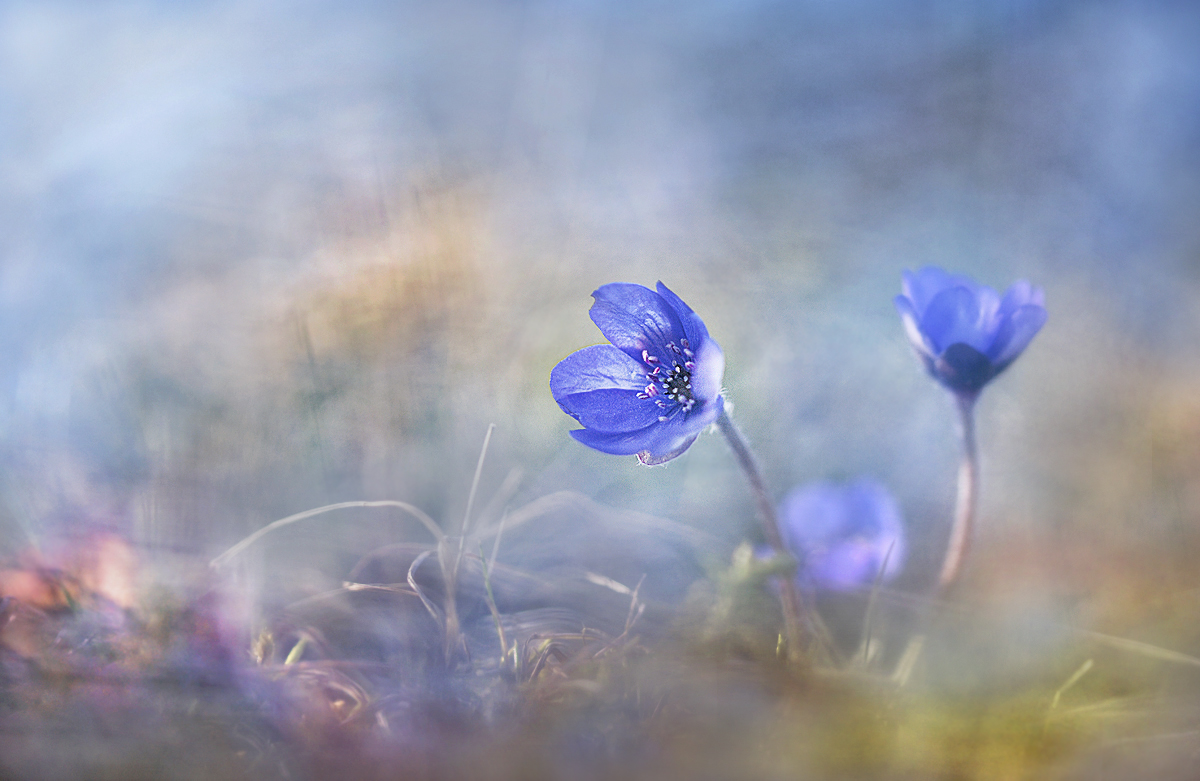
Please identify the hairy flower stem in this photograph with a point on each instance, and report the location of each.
(968, 493)
(793, 606)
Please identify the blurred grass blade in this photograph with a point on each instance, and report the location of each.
(1142, 649)
(412, 510)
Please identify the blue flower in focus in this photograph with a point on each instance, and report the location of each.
(654, 388)
(964, 332)
(842, 534)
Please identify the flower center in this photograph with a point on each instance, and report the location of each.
(670, 384)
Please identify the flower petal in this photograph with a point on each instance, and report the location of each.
(953, 318)
(846, 566)
(1037, 296)
(635, 318)
(908, 316)
(1017, 295)
(811, 515)
(709, 371)
(988, 319)
(693, 327)
(649, 459)
(611, 410)
(1016, 333)
(870, 499)
(614, 443)
(705, 415)
(920, 287)
(924, 285)
(658, 439)
(599, 367)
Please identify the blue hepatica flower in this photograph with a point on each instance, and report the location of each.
(654, 388)
(964, 332)
(842, 534)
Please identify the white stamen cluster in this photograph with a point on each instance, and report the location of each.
(673, 384)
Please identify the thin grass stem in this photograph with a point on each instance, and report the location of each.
(496, 543)
(412, 510)
(864, 653)
(412, 583)
(491, 603)
(487, 438)
(450, 570)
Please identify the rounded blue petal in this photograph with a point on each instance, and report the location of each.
(1016, 334)
(1018, 295)
(953, 317)
(964, 332)
(650, 459)
(844, 535)
(611, 409)
(709, 371)
(693, 326)
(657, 439)
(625, 443)
(595, 368)
(912, 327)
(635, 318)
(921, 287)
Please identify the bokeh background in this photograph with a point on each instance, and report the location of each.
(261, 256)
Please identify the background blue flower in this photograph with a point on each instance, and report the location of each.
(654, 388)
(842, 534)
(964, 332)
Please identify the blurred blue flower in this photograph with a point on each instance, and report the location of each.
(654, 388)
(964, 332)
(842, 534)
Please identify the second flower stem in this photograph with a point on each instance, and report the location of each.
(960, 535)
(792, 603)
(968, 494)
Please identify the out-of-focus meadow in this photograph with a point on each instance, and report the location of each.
(261, 257)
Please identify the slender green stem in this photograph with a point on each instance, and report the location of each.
(968, 495)
(793, 605)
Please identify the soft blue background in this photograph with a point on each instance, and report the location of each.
(260, 256)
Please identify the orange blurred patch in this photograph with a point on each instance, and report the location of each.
(38, 587)
(105, 565)
(94, 565)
